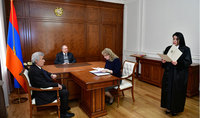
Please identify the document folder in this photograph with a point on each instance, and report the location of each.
(173, 54)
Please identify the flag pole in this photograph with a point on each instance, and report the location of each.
(19, 99)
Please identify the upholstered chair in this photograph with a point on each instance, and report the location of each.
(32, 103)
(128, 75)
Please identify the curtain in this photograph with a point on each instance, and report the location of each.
(4, 71)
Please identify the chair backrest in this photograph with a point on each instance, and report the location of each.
(24, 74)
(128, 69)
(27, 77)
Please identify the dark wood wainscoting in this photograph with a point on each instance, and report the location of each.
(86, 27)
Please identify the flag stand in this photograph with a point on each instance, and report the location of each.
(19, 99)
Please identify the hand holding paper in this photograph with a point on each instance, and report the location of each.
(99, 71)
(172, 55)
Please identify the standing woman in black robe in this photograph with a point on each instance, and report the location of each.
(174, 83)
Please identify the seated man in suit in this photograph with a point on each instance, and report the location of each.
(40, 78)
(64, 57)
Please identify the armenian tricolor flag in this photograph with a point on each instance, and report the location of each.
(14, 61)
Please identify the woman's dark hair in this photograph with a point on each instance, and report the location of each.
(180, 37)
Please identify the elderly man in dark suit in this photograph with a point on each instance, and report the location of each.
(64, 57)
(40, 78)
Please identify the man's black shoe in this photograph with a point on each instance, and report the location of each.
(174, 114)
(68, 108)
(167, 111)
(67, 115)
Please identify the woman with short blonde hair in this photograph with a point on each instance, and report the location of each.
(108, 51)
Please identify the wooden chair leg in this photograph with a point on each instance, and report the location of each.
(58, 111)
(123, 93)
(31, 108)
(132, 95)
(118, 100)
(118, 91)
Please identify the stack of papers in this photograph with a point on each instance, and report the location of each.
(173, 54)
(98, 72)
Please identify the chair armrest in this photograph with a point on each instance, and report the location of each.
(48, 89)
(44, 89)
(126, 77)
(123, 77)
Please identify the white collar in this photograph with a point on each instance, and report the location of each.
(64, 53)
(177, 46)
(38, 66)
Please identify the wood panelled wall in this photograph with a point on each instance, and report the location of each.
(86, 27)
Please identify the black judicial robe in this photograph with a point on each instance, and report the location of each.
(174, 82)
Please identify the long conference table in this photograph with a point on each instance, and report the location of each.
(85, 85)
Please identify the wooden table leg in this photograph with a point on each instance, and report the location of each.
(62, 78)
(137, 69)
(93, 102)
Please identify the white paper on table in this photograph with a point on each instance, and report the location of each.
(98, 72)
